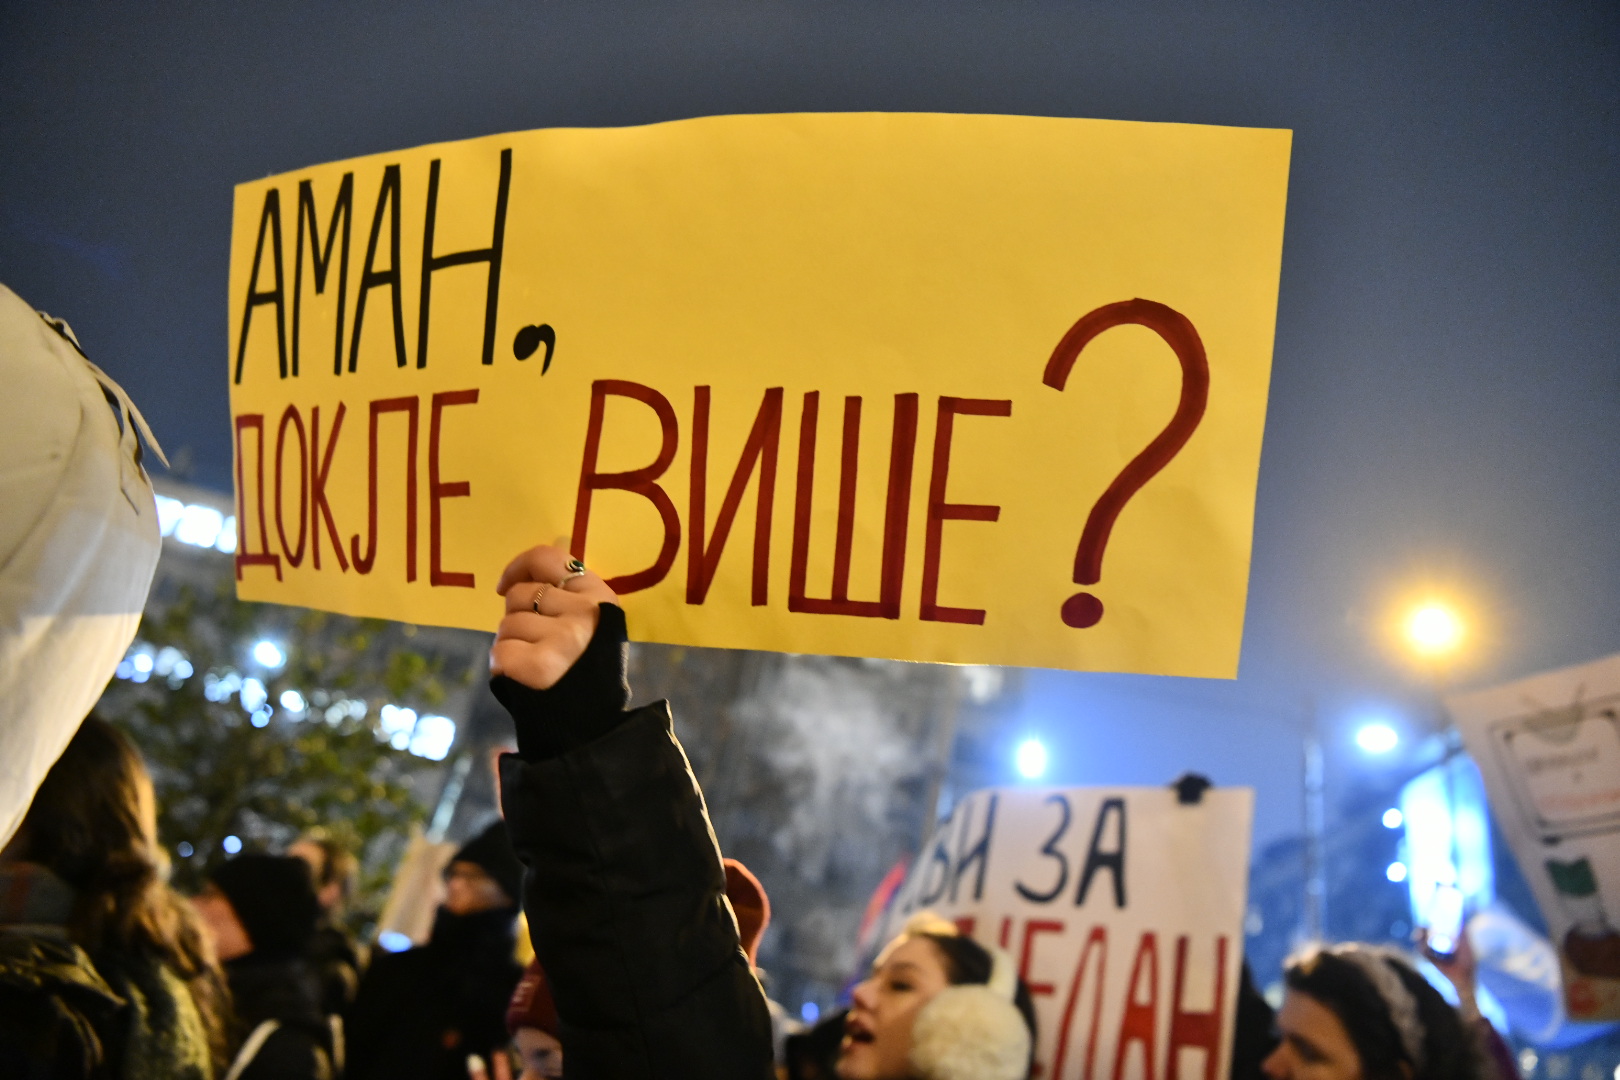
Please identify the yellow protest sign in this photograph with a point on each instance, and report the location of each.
(971, 389)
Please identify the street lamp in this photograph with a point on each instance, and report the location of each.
(1433, 630)
(1031, 759)
(1377, 738)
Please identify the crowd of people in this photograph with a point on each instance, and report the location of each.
(645, 939)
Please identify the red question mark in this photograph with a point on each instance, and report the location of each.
(1083, 609)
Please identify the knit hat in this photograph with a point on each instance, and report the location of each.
(491, 851)
(274, 899)
(78, 542)
(752, 907)
(531, 1005)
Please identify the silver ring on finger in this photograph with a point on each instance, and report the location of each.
(575, 569)
(538, 594)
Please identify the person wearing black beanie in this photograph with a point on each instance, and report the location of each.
(421, 1012)
(261, 911)
(491, 851)
(274, 898)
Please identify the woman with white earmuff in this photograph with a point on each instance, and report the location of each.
(938, 1006)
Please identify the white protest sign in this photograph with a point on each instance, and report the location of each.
(1123, 908)
(1549, 749)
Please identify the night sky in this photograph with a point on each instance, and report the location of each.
(1445, 391)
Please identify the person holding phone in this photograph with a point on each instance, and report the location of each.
(1445, 944)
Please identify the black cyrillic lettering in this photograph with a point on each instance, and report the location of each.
(344, 208)
(1050, 849)
(371, 278)
(269, 220)
(1098, 859)
(490, 255)
(979, 853)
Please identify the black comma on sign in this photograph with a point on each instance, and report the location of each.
(530, 338)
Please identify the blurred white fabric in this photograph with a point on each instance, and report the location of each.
(78, 542)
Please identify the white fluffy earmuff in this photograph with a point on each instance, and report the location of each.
(969, 1032)
(972, 1031)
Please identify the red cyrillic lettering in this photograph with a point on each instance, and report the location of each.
(455, 489)
(1032, 929)
(638, 481)
(940, 511)
(408, 406)
(1097, 939)
(759, 451)
(1140, 1022)
(264, 556)
(1200, 1029)
(320, 464)
(291, 416)
(902, 451)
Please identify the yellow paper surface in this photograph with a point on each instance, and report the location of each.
(922, 263)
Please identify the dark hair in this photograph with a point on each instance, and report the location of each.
(88, 826)
(969, 963)
(338, 863)
(1450, 1048)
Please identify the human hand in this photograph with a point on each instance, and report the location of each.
(550, 617)
(1460, 967)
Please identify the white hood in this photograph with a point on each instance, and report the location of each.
(78, 542)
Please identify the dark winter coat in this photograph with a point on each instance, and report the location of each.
(287, 992)
(419, 1013)
(64, 1016)
(625, 893)
(337, 966)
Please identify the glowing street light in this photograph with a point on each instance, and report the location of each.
(1031, 759)
(1433, 629)
(1377, 738)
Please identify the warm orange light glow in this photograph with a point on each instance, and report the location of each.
(1433, 629)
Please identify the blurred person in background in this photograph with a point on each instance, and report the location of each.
(332, 950)
(261, 911)
(1362, 1012)
(1254, 1034)
(423, 1012)
(104, 970)
(813, 1054)
(531, 1020)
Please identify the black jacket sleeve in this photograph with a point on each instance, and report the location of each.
(625, 894)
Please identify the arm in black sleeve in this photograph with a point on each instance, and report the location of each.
(625, 893)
